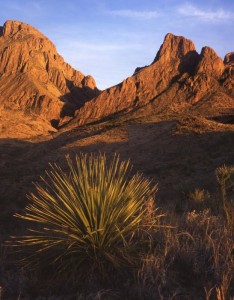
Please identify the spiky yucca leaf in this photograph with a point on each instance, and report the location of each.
(88, 217)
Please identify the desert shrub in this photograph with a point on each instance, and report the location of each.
(88, 220)
(194, 199)
(198, 195)
(225, 179)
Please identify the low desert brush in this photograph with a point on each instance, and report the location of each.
(87, 220)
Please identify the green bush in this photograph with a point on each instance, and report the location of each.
(89, 219)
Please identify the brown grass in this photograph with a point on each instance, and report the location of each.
(193, 258)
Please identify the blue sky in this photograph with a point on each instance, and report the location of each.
(109, 39)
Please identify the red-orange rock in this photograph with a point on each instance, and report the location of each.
(177, 79)
(210, 63)
(174, 47)
(34, 77)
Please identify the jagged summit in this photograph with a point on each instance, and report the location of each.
(13, 28)
(210, 63)
(179, 79)
(174, 47)
(17, 31)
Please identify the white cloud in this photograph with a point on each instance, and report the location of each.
(206, 15)
(135, 14)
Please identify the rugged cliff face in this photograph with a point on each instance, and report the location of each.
(36, 83)
(179, 79)
(35, 79)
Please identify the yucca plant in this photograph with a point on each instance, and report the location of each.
(89, 219)
(225, 179)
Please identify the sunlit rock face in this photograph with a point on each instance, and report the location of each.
(35, 79)
(178, 79)
(36, 82)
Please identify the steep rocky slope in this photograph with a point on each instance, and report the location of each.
(34, 79)
(179, 79)
(37, 84)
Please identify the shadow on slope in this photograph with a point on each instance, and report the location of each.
(177, 162)
(76, 98)
(224, 119)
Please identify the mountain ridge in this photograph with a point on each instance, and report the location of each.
(177, 80)
(36, 81)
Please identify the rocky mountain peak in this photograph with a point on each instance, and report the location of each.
(11, 28)
(178, 79)
(174, 47)
(26, 37)
(210, 63)
(35, 78)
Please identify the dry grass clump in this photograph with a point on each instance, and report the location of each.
(195, 259)
(190, 261)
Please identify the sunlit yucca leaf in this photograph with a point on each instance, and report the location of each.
(87, 218)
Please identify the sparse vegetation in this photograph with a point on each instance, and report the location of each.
(198, 196)
(96, 220)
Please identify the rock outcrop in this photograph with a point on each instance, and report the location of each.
(179, 79)
(229, 58)
(35, 79)
(210, 63)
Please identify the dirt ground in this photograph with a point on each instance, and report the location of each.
(179, 153)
